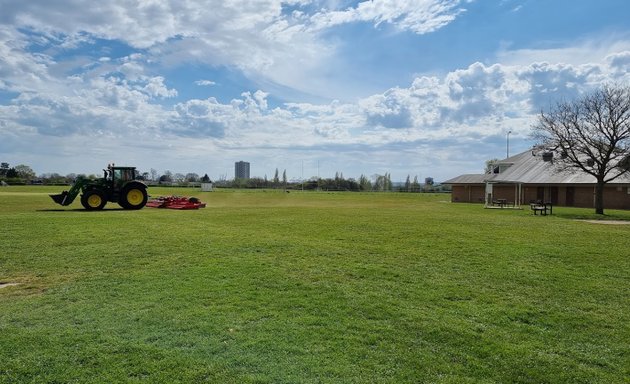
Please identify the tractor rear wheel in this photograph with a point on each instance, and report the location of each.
(93, 200)
(133, 197)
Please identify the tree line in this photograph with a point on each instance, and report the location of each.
(23, 174)
(375, 183)
(18, 174)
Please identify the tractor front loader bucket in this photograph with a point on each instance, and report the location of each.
(61, 198)
(67, 197)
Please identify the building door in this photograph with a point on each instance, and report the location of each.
(570, 196)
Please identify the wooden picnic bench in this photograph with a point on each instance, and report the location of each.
(543, 208)
(502, 203)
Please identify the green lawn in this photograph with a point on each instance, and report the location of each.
(273, 287)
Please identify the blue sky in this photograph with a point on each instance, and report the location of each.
(426, 88)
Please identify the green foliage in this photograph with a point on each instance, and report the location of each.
(276, 180)
(415, 185)
(20, 174)
(364, 183)
(270, 287)
(383, 183)
(25, 172)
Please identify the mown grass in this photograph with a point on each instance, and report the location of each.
(272, 287)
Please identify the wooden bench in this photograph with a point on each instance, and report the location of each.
(542, 208)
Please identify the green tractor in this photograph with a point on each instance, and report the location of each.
(118, 185)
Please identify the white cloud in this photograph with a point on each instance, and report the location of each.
(260, 38)
(620, 65)
(155, 87)
(591, 50)
(417, 16)
(459, 109)
(20, 70)
(205, 82)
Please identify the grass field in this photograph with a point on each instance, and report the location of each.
(273, 287)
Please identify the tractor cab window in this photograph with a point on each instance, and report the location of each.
(122, 175)
(127, 174)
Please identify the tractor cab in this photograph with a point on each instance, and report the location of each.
(118, 176)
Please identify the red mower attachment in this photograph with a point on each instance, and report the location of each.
(176, 202)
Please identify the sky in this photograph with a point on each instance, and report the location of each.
(426, 88)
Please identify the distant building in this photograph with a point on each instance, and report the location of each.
(531, 176)
(241, 170)
(206, 187)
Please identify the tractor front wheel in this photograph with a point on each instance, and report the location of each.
(133, 198)
(93, 200)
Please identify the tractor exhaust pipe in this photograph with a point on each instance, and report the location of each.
(60, 198)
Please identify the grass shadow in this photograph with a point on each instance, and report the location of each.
(581, 215)
(80, 210)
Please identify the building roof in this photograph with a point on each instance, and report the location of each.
(468, 179)
(530, 168)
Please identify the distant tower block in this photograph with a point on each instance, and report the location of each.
(241, 170)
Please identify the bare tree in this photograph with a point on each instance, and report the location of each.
(179, 177)
(590, 134)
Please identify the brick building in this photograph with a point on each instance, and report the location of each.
(531, 176)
